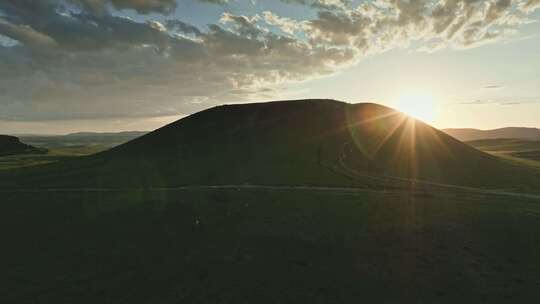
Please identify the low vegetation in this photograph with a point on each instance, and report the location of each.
(268, 246)
(11, 145)
(295, 202)
(519, 150)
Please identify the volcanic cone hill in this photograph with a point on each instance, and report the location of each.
(304, 142)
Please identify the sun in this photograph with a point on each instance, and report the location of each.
(417, 104)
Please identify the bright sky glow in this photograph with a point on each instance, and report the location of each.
(417, 104)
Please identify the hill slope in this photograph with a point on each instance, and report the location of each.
(512, 132)
(267, 142)
(505, 145)
(520, 149)
(10, 145)
(306, 142)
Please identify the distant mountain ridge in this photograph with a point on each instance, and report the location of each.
(466, 134)
(107, 134)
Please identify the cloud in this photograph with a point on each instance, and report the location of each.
(496, 102)
(27, 35)
(476, 102)
(389, 24)
(321, 4)
(287, 25)
(140, 6)
(182, 27)
(143, 69)
(494, 86)
(220, 2)
(530, 6)
(80, 59)
(510, 103)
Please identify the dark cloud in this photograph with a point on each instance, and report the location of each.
(140, 6)
(177, 25)
(104, 65)
(79, 31)
(34, 7)
(27, 35)
(143, 6)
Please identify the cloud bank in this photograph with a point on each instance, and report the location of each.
(83, 59)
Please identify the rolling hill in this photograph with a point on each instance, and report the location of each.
(11, 145)
(54, 148)
(505, 145)
(511, 132)
(305, 214)
(520, 149)
(304, 142)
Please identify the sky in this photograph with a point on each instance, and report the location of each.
(117, 65)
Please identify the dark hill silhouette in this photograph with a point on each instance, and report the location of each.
(387, 241)
(511, 132)
(11, 145)
(247, 142)
(304, 142)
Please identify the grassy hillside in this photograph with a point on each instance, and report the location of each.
(11, 145)
(532, 155)
(525, 151)
(97, 229)
(52, 155)
(512, 132)
(505, 145)
(307, 142)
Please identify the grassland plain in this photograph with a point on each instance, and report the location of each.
(525, 151)
(269, 246)
(53, 155)
(62, 147)
(531, 134)
(505, 145)
(226, 207)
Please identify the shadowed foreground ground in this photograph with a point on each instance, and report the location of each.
(269, 246)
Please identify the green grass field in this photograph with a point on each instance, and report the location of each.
(505, 144)
(54, 154)
(519, 150)
(65, 147)
(261, 246)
